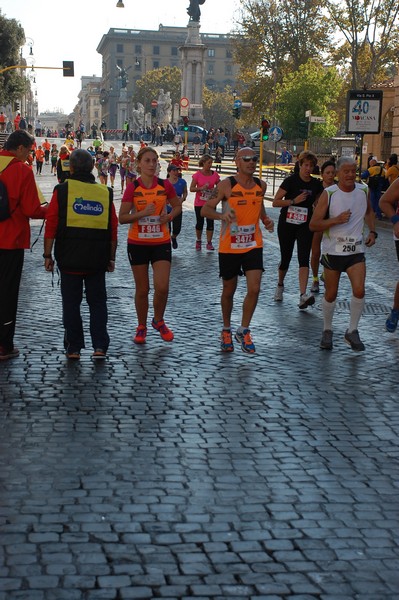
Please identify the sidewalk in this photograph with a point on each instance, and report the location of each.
(174, 471)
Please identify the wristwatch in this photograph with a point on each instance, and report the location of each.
(47, 256)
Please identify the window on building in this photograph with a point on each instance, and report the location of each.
(119, 48)
(137, 49)
(96, 114)
(174, 50)
(210, 69)
(229, 53)
(228, 69)
(137, 65)
(211, 52)
(119, 62)
(156, 50)
(155, 64)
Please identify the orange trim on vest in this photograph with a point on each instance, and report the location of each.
(247, 205)
(149, 230)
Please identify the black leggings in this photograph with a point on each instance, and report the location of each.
(175, 225)
(199, 226)
(287, 234)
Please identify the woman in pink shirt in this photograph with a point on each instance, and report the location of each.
(203, 183)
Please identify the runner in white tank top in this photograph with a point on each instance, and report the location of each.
(340, 215)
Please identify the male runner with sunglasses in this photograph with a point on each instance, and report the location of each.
(240, 245)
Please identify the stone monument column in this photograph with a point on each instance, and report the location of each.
(122, 108)
(192, 58)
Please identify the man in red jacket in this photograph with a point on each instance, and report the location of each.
(24, 204)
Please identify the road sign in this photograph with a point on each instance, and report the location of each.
(154, 103)
(317, 119)
(184, 111)
(237, 103)
(358, 138)
(363, 111)
(276, 133)
(246, 104)
(184, 102)
(195, 105)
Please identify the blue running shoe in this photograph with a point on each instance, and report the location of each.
(226, 341)
(246, 342)
(392, 321)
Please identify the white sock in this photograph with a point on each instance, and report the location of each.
(328, 313)
(357, 305)
(240, 329)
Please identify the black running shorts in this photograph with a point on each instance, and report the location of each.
(231, 265)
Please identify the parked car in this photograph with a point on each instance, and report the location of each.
(254, 138)
(192, 131)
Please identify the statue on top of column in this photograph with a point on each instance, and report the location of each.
(194, 10)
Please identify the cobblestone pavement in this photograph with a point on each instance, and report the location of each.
(173, 471)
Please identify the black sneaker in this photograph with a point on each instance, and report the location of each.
(7, 354)
(99, 354)
(354, 340)
(326, 342)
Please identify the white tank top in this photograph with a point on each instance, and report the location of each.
(346, 238)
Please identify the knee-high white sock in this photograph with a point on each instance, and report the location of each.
(328, 313)
(357, 305)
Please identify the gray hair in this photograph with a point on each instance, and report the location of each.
(345, 160)
(81, 161)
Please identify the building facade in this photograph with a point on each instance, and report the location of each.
(88, 108)
(134, 52)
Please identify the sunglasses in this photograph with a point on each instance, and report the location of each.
(249, 158)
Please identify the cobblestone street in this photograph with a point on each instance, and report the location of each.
(174, 471)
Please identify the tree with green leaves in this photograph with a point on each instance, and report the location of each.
(275, 37)
(12, 37)
(312, 87)
(370, 39)
(147, 88)
(218, 107)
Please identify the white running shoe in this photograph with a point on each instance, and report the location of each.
(278, 294)
(305, 301)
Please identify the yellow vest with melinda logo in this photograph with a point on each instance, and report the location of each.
(84, 226)
(87, 205)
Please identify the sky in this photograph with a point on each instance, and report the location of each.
(73, 30)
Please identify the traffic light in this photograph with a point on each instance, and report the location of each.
(237, 112)
(185, 123)
(68, 68)
(16, 105)
(303, 130)
(153, 112)
(265, 130)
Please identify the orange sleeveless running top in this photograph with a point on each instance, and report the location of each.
(244, 234)
(148, 230)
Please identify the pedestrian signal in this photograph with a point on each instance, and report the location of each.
(303, 130)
